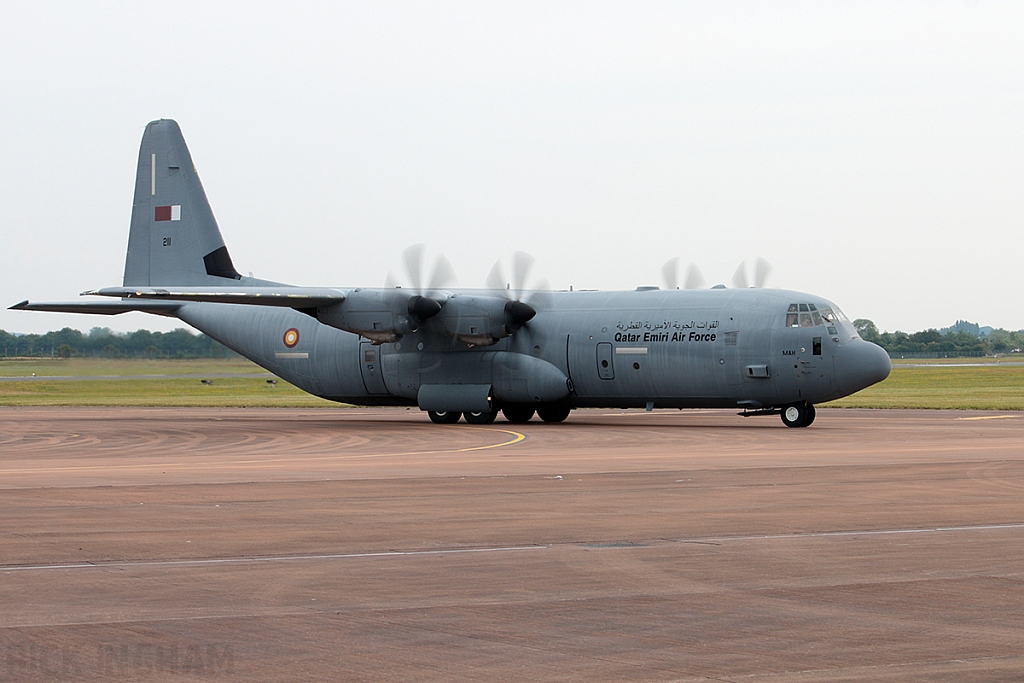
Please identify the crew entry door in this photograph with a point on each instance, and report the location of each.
(370, 367)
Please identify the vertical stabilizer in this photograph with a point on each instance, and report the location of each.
(174, 238)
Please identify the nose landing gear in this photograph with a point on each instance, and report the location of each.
(798, 414)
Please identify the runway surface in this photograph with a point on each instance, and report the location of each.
(372, 545)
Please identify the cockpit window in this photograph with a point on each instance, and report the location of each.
(808, 315)
(833, 315)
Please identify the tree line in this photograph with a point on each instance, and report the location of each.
(100, 342)
(954, 342)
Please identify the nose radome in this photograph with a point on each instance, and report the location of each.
(860, 364)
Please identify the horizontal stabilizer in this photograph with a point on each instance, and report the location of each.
(167, 308)
(291, 297)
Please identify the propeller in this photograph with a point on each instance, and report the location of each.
(762, 270)
(441, 277)
(517, 311)
(670, 275)
(423, 304)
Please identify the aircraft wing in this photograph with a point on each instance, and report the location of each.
(99, 307)
(290, 297)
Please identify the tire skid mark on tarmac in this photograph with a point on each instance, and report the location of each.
(850, 533)
(641, 545)
(148, 437)
(516, 437)
(272, 558)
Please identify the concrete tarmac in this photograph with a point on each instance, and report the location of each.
(372, 545)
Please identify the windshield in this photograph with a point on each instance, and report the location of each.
(809, 315)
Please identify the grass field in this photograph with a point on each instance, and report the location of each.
(982, 385)
(82, 367)
(140, 391)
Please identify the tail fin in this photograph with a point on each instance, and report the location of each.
(174, 238)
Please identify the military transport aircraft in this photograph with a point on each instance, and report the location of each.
(473, 353)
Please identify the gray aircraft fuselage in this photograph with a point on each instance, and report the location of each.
(476, 352)
(596, 349)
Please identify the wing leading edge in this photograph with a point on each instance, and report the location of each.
(289, 297)
(167, 308)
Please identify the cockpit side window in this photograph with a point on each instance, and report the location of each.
(833, 315)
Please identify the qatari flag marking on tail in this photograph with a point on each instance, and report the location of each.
(168, 213)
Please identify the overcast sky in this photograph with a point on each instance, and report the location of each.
(873, 153)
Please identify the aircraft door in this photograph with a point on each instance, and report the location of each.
(605, 365)
(810, 355)
(370, 367)
(730, 360)
(814, 373)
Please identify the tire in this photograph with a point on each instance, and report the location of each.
(517, 414)
(554, 412)
(798, 414)
(484, 418)
(444, 418)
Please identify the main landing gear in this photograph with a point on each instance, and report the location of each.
(446, 417)
(548, 412)
(484, 418)
(798, 414)
(554, 412)
(517, 414)
(513, 412)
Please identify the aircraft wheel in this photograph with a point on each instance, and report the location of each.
(484, 418)
(798, 414)
(554, 412)
(447, 417)
(517, 414)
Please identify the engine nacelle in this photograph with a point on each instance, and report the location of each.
(381, 315)
(386, 315)
(483, 320)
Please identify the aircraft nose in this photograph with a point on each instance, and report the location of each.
(860, 364)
